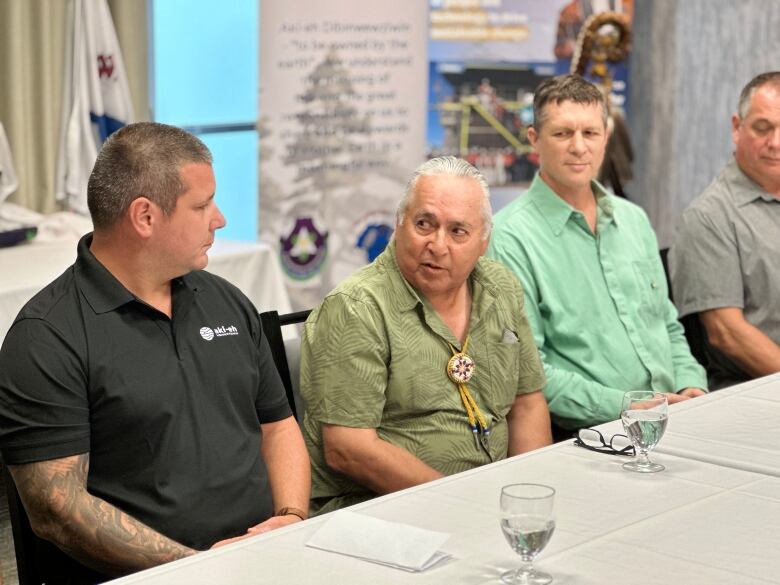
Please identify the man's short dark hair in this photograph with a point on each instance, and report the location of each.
(768, 78)
(142, 159)
(566, 88)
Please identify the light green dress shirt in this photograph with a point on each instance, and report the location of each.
(598, 304)
(374, 355)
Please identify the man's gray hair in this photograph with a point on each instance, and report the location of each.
(768, 78)
(453, 167)
(141, 160)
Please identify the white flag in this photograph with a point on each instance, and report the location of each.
(96, 98)
(8, 182)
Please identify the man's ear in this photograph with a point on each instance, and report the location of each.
(736, 121)
(143, 215)
(533, 136)
(485, 244)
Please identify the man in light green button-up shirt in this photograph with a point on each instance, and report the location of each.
(595, 289)
(382, 413)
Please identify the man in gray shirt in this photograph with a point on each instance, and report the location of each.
(725, 264)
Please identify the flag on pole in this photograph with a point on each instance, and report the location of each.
(8, 182)
(96, 99)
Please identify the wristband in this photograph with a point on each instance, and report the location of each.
(290, 511)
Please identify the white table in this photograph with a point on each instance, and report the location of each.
(736, 427)
(27, 268)
(695, 523)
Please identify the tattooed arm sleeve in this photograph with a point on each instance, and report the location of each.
(91, 530)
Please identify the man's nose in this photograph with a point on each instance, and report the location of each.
(219, 221)
(577, 143)
(437, 242)
(774, 138)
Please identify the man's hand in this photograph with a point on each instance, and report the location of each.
(270, 524)
(692, 392)
(274, 523)
(672, 398)
(228, 541)
(685, 394)
(289, 474)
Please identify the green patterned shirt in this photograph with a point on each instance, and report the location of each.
(374, 355)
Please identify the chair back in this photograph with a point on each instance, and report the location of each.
(694, 332)
(25, 540)
(38, 561)
(286, 354)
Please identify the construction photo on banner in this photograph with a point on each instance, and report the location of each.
(486, 58)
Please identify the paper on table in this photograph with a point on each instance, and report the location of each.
(388, 543)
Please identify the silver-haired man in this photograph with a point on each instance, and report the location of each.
(421, 364)
(725, 266)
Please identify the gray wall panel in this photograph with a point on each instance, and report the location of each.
(690, 60)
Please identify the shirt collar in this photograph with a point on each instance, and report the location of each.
(557, 212)
(744, 189)
(102, 290)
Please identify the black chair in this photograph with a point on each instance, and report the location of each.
(38, 561)
(25, 541)
(560, 434)
(286, 356)
(694, 331)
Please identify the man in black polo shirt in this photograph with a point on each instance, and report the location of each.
(135, 388)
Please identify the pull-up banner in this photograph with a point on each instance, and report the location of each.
(342, 126)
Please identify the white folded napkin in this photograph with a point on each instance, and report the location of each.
(388, 543)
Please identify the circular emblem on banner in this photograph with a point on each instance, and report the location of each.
(207, 333)
(460, 368)
(304, 250)
(373, 232)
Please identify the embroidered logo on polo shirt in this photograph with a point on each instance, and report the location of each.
(208, 333)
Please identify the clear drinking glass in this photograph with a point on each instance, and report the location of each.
(644, 415)
(528, 521)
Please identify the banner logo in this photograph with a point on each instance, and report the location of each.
(105, 66)
(374, 239)
(304, 250)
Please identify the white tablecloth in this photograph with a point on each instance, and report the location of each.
(736, 427)
(26, 269)
(694, 523)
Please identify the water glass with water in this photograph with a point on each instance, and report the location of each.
(644, 414)
(527, 521)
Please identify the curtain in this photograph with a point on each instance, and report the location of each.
(32, 49)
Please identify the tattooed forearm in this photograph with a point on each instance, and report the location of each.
(89, 529)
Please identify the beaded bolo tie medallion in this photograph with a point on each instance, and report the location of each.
(460, 369)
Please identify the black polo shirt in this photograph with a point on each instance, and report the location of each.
(168, 409)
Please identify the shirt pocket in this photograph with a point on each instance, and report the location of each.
(504, 363)
(651, 284)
